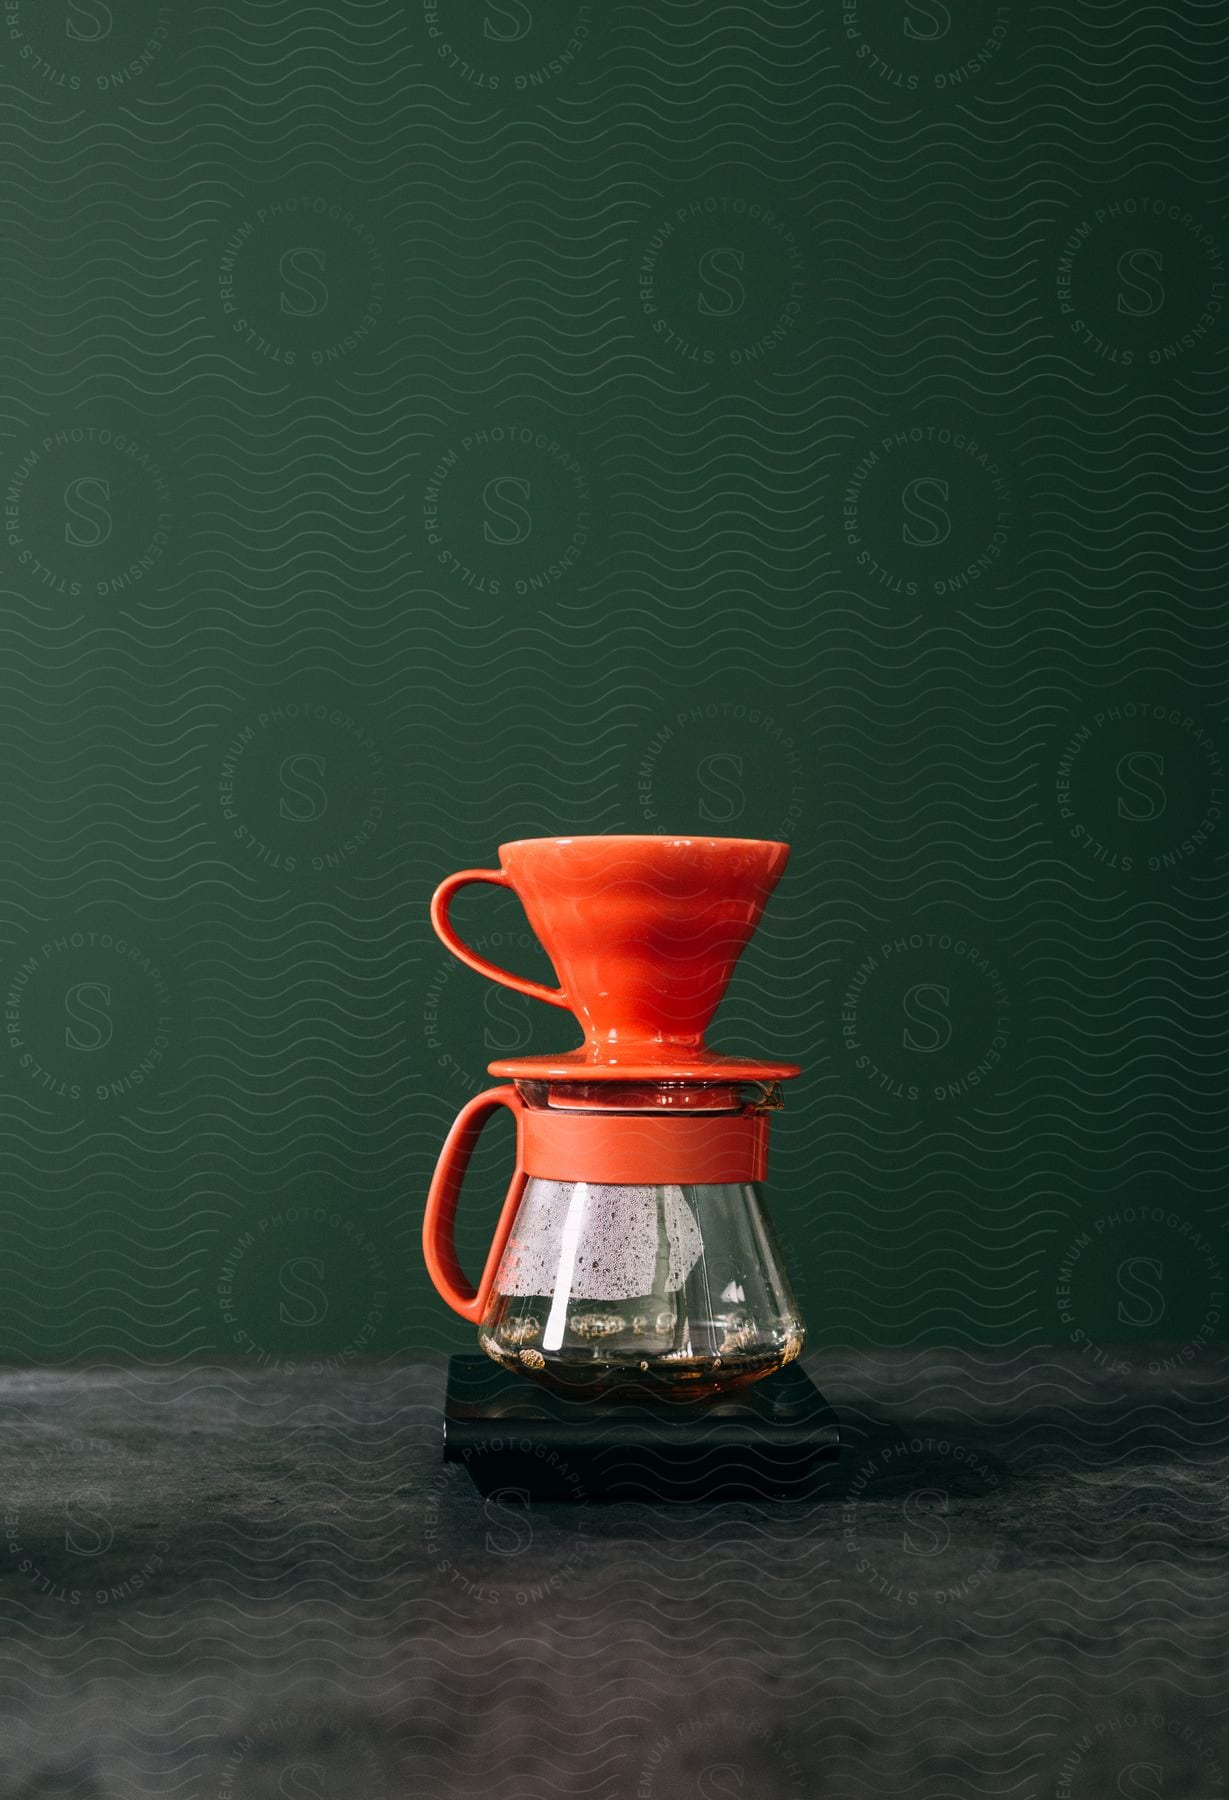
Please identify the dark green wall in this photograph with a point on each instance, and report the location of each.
(426, 425)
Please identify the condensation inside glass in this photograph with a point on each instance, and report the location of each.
(598, 1242)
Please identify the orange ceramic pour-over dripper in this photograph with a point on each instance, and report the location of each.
(633, 1247)
(643, 934)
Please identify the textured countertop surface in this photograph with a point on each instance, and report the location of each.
(222, 1580)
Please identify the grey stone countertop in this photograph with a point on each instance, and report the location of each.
(224, 1580)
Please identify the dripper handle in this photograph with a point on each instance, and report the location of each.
(438, 1226)
(441, 900)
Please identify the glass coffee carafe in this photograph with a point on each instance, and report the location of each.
(633, 1254)
(646, 1286)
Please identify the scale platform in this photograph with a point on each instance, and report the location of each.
(775, 1440)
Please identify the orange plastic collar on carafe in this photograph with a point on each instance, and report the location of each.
(685, 1149)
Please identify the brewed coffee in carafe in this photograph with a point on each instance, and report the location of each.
(634, 1253)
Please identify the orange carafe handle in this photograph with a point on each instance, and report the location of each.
(438, 1226)
(441, 900)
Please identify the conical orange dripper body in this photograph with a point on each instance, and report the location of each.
(643, 933)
